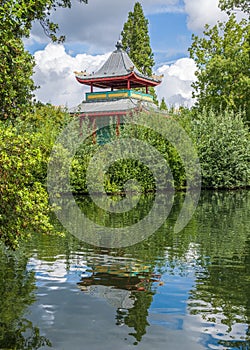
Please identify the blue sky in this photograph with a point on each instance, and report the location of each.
(92, 31)
(169, 34)
(170, 37)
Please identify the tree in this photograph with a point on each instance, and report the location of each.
(16, 64)
(24, 205)
(16, 84)
(222, 142)
(18, 16)
(231, 5)
(163, 105)
(223, 60)
(17, 288)
(136, 40)
(24, 152)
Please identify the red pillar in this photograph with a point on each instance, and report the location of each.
(146, 89)
(80, 124)
(118, 126)
(94, 131)
(128, 85)
(91, 88)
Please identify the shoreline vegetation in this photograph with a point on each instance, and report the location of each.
(221, 140)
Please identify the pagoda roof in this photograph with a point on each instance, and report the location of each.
(116, 72)
(115, 107)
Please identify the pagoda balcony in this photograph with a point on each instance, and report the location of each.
(117, 94)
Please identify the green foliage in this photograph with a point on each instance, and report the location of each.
(23, 200)
(18, 16)
(136, 40)
(16, 64)
(222, 58)
(45, 123)
(232, 5)
(223, 146)
(163, 105)
(24, 153)
(17, 293)
(16, 69)
(80, 164)
(127, 169)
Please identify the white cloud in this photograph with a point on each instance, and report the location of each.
(99, 24)
(54, 73)
(176, 84)
(201, 12)
(95, 28)
(55, 67)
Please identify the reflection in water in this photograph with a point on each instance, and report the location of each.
(17, 288)
(189, 290)
(126, 285)
(221, 295)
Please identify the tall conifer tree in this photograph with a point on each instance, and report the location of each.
(136, 40)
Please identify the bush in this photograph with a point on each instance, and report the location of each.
(23, 200)
(24, 152)
(127, 169)
(223, 146)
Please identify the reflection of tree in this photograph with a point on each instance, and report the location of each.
(137, 316)
(222, 291)
(215, 244)
(16, 290)
(126, 285)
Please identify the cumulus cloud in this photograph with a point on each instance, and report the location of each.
(99, 24)
(201, 12)
(55, 67)
(176, 84)
(54, 73)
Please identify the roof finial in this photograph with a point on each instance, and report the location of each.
(119, 44)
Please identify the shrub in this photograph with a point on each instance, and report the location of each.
(223, 146)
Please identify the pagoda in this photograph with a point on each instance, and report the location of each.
(116, 97)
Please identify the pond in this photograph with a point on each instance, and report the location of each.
(188, 290)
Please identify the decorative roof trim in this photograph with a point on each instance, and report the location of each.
(116, 68)
(132, 76)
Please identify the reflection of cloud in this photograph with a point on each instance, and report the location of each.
(55, 67)
(56, 272)
(217, 332)
(118, 298)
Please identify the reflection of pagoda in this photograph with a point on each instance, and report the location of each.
(120, 76)
(127, 286)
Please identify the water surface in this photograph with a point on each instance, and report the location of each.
(189, 290)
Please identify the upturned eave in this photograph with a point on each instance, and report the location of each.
(118, 82)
